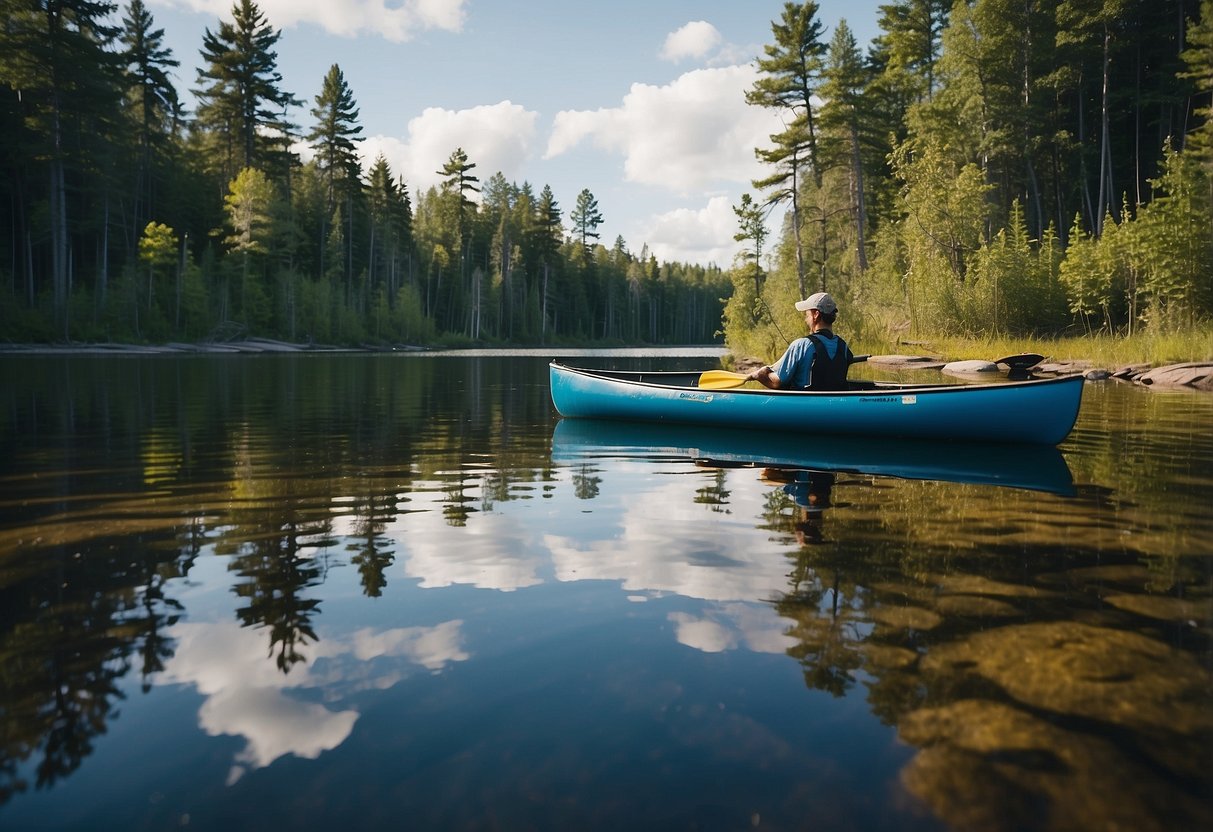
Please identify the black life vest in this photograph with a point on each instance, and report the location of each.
(827, 373)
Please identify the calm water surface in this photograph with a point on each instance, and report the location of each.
(396, 591)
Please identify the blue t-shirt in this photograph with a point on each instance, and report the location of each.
(794, 367)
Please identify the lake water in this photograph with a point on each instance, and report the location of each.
(397, 592)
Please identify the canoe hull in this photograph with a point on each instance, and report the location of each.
(1038, 411)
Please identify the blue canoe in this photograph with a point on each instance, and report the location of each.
(1037, 411)
(1032, 467)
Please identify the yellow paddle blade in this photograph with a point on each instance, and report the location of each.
(721, 379)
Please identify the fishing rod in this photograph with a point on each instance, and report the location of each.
(771, 316)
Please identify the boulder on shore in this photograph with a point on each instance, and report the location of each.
(1196, 374)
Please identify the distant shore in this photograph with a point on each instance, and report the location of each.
(1196, 375)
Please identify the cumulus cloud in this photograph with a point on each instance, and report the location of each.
(694, 40)
(688, 235)
(684, 136)
(496, 137)
(395, 21)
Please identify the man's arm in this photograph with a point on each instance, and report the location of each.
(766, 377)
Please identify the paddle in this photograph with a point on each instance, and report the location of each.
(724, 379)
(1022, 361)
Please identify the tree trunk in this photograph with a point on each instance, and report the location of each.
(857, 200)
(796, 226)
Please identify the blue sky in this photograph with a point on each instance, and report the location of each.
(641, 101)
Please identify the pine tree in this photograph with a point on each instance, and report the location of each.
(912, 41)
(548, 235)
(586, 218)
(240, 100)
(153, 98)
(751, 219)
(844, 80)
(788, 83)
(1198, 58)
(56, 53)
(333, 139)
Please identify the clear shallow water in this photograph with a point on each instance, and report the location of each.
(396, 591)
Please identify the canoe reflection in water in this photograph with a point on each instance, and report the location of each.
(1033, 467)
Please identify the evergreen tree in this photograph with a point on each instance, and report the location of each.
(547, 237)
(240, 99)
(586, 218)
(844, 80)
(333, 139)
(153, 99)
(912, 41)
(751, 219)
(1198, 58)
(55, 52)
(457, 183)
(788, 83)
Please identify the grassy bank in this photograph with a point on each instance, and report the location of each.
(1102, 350)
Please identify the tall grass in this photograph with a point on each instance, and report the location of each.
(1100, 349)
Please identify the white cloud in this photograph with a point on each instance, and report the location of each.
(394, 21)
(694, 40)
(496, 137)
(691, 134)
(687, 235)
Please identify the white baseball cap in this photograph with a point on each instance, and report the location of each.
(820, 301)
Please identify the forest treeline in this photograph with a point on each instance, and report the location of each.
(985, 167)
(130, 219)
(988, 168)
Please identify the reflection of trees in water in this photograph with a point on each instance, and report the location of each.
(254, 455)
(1044, 682)
(714, 495)
(69, 625)
(372, 551)
(275, 577)
(586, 482)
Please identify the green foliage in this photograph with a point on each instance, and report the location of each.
(923, 182)
(1176, 229)
(240, 100)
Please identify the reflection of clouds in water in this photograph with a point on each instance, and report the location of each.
(667, 542)
(493, 551)
(730, 626)
(274, 725)
(245, 691)
(430, 647)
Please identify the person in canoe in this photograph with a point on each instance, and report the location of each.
(817, 362)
